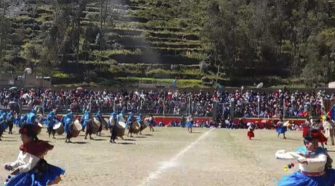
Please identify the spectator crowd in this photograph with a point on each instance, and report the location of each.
(222, 104)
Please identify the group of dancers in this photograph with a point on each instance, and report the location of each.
(326, 129)
(71, 125)
(30, 168)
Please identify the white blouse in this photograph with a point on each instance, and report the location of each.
(315, 163)
(25, 162)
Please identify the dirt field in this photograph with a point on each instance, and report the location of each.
(170, 156)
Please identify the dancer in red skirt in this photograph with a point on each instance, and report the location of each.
(251, 128)
(316, 132)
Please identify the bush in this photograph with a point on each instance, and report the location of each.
(182, 74)
(60, 75)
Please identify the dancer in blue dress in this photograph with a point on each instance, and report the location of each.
(31, 118)
(314, 165)
(151, 122)
(129, 124)
(189, 124)
(10, 121)
(85, 119)
(89, 126)
(113, 127)
(50, 122)
(31, 168)
(3, 124)
(281, 128)
(140, 121)
(68, 122)
(98, 115)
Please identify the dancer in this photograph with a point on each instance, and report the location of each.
(306, 127)
(89, 126)
(251, 128)
(98, 115)
(10, 121)
(317, 132)
(151, 122)
(50, 122)
(141, 123)
(31, 168)
(190, 123)
(314, 165)
(281, 128)
(113, 127)
(31, 118)
(3, 124)
(85, 119)
(68, 122)
(328, 127)
(183, 121)
(130, 121)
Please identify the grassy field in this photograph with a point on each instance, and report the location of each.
(169, 156)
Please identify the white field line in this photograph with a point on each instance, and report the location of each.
(173, 161)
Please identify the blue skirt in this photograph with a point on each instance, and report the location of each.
(281, 130)
(3, 127)
(35, 178)
(189, 125)
(299, 179)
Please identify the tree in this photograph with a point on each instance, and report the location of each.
(31, 52)
(268, 37)
(4, 28)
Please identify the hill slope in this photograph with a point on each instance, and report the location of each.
(104, 39)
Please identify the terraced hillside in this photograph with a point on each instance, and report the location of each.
(117, 38)
(144, 32)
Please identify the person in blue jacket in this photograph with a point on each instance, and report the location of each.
(190, 123)
(68, 122)
(31, 118)
(129, 124)
(120, 117)
(85, 119)
(130, 120)
(88, 120)
(151, 122)
(140, 122)
(50, 122)
(10, 121)
(3, 124)
(113, 120)
(20, 120)
(98, 115)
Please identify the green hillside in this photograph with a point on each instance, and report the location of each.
(104, 39)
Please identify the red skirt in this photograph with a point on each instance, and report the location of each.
(305, 131)
(251, 134)
(322, 138)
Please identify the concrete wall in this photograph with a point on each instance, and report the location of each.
(30, 81)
